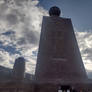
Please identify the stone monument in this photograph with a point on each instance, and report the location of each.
(59, 60)
(19, 69)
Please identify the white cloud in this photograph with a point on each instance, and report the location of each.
(85, 44)
(24, 18)
(5, 59)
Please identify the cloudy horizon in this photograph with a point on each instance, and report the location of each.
(20, 26)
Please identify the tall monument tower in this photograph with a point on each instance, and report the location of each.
(59, 60)
(19, 69)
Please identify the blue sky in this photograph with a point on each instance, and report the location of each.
(78, 10)
(20, 26)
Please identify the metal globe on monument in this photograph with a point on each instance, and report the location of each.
(54, 11)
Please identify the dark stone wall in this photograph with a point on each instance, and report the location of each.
(59, 58)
